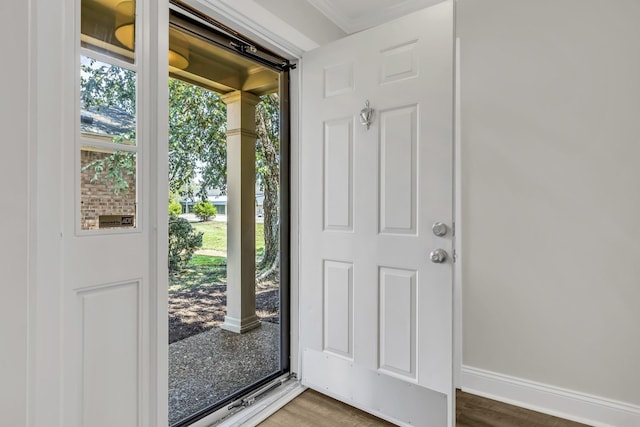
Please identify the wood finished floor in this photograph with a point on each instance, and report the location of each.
(312, 409)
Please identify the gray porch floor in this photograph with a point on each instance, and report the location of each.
(205, 368)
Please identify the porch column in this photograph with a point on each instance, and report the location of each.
(241, 212)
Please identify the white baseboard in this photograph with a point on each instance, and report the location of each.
(568, 404)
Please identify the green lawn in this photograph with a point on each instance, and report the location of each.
(207, 261)
(204, 270)
(215, 236)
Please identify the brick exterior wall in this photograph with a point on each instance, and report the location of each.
(97, 198)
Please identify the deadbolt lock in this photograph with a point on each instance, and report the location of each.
(439, 229)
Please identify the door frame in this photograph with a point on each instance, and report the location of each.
(287, 181)
(264, 28)
(457, 217)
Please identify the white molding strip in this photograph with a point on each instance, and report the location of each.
(256, 22)
(256, 413)
(262, 410)
(568, 404)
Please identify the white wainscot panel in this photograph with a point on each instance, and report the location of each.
(398, 170)
(399, 63)
(398, 321)
(110, 361)
(338, 79)
(338, 308)
(338, 175)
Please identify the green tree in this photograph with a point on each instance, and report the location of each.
(268, 171)
(204, 211)
(197, 139)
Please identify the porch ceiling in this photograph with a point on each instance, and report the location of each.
(220, 70)
(208, 65)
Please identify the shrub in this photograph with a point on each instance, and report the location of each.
(183, 242)
(204, 210)
(175, 208)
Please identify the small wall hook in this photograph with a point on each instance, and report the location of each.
(366, 115)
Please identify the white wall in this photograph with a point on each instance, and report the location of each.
(14, 213)
(551, 192)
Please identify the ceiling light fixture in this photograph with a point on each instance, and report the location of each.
(125, 24)
(179, 50)
(126, 29)
(177, 60)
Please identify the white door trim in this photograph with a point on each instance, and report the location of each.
(457, 215)
(158, 217)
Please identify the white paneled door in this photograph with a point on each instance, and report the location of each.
(375, 309)
(114, 206)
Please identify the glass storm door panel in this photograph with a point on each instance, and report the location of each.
(226, 282)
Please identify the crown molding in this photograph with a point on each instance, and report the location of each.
(369, 18)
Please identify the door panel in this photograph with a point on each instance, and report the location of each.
(105, 370)
(338, 175)
(376, 313)
(109, 375)
(398, 149)
(338, 306)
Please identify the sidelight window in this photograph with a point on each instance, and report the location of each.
(107, 90)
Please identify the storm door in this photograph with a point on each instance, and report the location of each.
(228, 229)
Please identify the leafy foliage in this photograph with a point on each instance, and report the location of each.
(183, 242)
(175, 208)
(114, 170)
(197, 139)
(105, 85)
(204, 211)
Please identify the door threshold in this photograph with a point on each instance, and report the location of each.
(262, 408)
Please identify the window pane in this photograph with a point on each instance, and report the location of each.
(109, 27)
(107, 189)
(107, 102)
